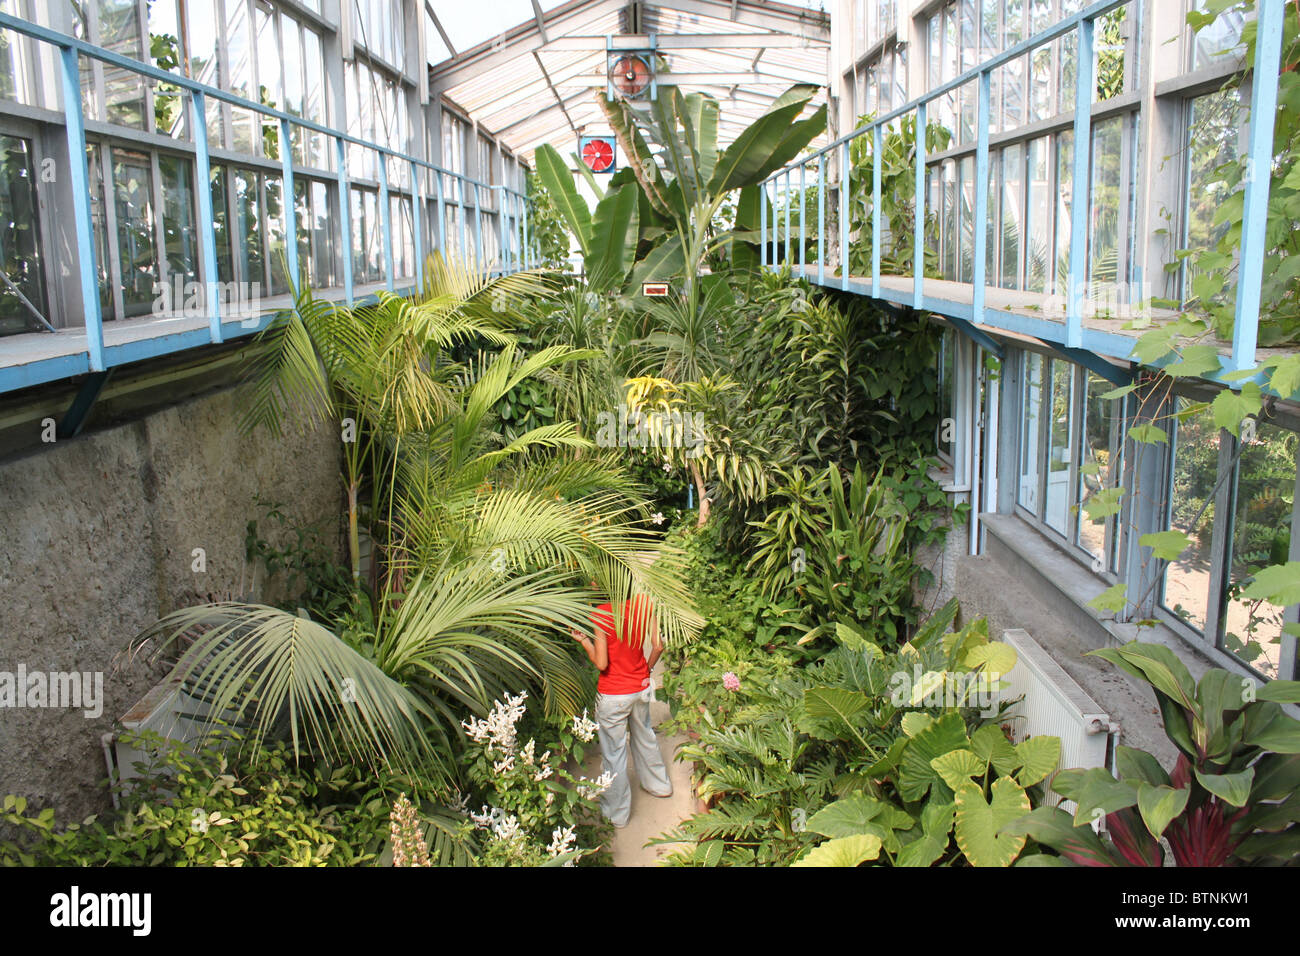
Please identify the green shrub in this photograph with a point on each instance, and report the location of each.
(255, 807)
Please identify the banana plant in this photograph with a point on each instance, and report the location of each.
(608, 238)
(1231, 797)
(696, 177)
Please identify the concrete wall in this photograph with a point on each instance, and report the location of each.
(98, 534)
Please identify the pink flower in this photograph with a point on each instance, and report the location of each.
(730, 681)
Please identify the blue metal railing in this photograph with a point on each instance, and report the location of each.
(512, 207)
(1071, 333)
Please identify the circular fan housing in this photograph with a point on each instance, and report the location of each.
(598, 153)
(630, 75)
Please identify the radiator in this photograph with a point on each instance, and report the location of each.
(1052, 703)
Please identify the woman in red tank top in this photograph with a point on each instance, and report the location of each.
(624, 692)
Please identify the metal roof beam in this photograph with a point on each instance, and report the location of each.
(496, 54)
(777, 17)
(437, 25)
(690, 41)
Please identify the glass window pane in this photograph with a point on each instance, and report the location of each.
(1064, 177)
(1061, 405)
(178, 219)
(119, 31)
(133, 204)
(1013, 174)
(247, 232)
(276, 243)
(324, 247)
(99, 220)
(20, 244)
(205, 60)
(1038, 218)
(1196, 464)
(1030, 432)
(1065, 73)
(1040, 88)
(165, 52)
(220, 219)
(948, 235)
(1103, 246)
(1261, 536)
(1109, 41)
(17, 81)
(239, 44)
(966, 213)
(1218, 39)
(1213, 135)
(1100, 467)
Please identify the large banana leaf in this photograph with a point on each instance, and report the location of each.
(558, 180)
(615, 231)
(665, 261)
(757, 150)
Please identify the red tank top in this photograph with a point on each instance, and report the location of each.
(628, 669)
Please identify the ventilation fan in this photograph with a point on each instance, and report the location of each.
(630, 75)
(630, 71)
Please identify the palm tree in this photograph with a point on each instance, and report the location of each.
(488, 541)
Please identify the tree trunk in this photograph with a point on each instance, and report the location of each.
(699, 495)
(354, 538)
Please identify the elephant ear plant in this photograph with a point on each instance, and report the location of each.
(1230, 799)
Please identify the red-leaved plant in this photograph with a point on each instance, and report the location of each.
(1230, 800)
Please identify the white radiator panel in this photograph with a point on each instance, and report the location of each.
(1054, 704)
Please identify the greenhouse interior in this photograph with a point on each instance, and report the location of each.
(635, 433)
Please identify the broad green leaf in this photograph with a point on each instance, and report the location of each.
(924, 851)
(979, 823)
(709, 853)
(1120, 392)
(1114, 598)
(1159, 806)
(1149, 434)
(558, 180)
(1233, 788)
(1231, 407)
(1104, 503)
(1137, 765)
(1196, 360)
(958, 766)
(614, 237)
(916, 721)
(1285, 379)
(852, 814)
(994, 657)
(1051, 827)
(1280, 691)
(1270, 728)
(931, 682)
(991, 744)
(1158, 666)
(762, 142)
(1095, 791)
(916, 775)
(843, 851)
(852, 638)
(1155, 344)
(1166, 545)
(1278, 584)
(1038, 756)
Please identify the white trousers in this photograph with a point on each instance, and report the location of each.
(622, 716)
